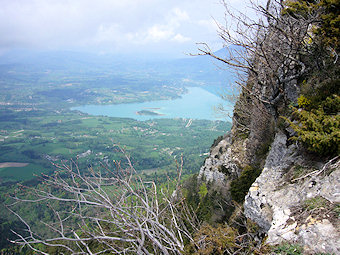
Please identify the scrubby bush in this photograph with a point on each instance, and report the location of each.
(319, 128)
(289, 249)
(215, 240)
(240, 186)
(328, 12)
(316, 121)
(315, 202)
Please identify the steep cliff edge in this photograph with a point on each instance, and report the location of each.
(296, 197)
(296, 210)
(281, 158)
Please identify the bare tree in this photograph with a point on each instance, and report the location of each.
(268, 54)
(115, 212)
(267, 51)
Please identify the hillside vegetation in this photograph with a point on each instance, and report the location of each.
(283, 150)
(270, 186)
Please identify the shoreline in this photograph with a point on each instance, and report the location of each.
(13, 164)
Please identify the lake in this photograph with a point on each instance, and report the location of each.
(198, 103)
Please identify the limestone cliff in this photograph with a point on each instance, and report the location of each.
(279, 203)
(281, 158)
(296, 197)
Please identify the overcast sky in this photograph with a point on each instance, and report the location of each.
(154, 26)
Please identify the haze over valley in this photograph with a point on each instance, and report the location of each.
(104, 88)
(41, 89)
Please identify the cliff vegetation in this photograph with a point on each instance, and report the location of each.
(270, 186)
(282, 154)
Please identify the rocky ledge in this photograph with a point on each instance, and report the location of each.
(304, 209)
(219, 164)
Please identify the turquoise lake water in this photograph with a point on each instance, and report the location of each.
(198, 103)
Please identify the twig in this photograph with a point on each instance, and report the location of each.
(317, 172)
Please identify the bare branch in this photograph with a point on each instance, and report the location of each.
(115, 209)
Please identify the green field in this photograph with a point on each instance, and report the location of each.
(38, 137)
(21, 173)
(37, 126)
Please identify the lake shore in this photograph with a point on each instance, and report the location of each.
(12, 164)
(198, 103)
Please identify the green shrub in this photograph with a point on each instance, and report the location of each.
(216, 141)
(208, 203)
(203, 190)
(240, 186)
(315, 202)
(289, 249)
(318, 117)
(328, 28)
(215, 240)
(303, 101)
(319, 129)
(337, 210)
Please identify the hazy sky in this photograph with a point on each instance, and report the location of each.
(172, 26)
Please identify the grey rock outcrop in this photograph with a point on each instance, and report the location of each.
(272, 199)
(291, 176)
(219, 164)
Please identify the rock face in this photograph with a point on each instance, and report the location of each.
(277, 200)
(296, 197)
(219, 164)
(272, 200)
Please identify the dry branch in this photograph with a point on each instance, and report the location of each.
(115, 210)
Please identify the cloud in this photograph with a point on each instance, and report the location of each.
(167, 30)
(158, 33)
(162, 32)
(180, 38)
(176, 16)
(119, 25)
(207, 23)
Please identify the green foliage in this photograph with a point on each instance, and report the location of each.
(319, 86)
(298, 171)
(203, 190)
(319, 129)
(216, 239)
(289, 249)
(240, 186)
(208, 204)
(315, 202)
(263, 150)
(317, 119)
(216, 141)
(330, 22)
(201, 205)
(300, 7)
(303, 101)
(328, 25)
(337, 210)
(239, 236)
